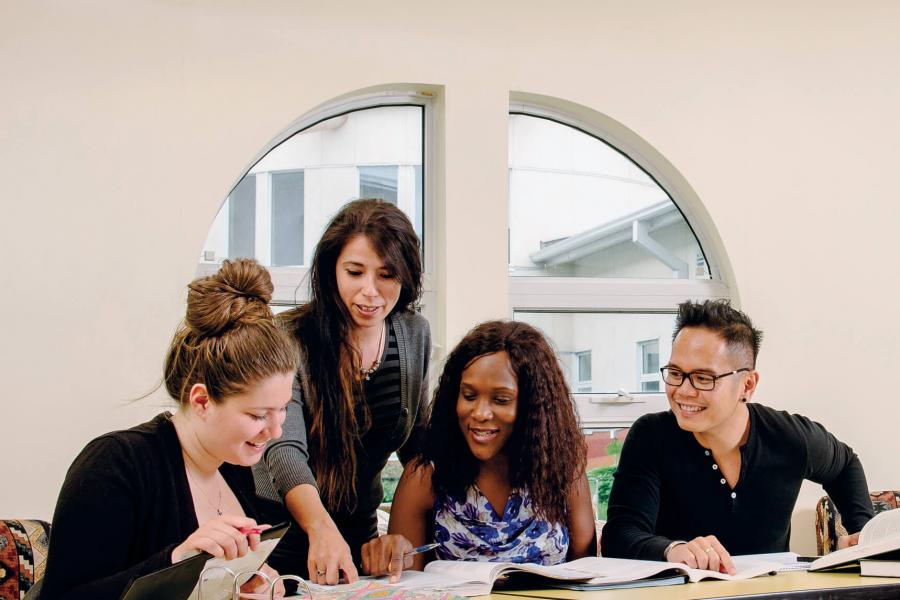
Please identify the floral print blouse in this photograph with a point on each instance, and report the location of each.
(473, 530)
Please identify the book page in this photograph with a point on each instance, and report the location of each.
(746, 568)
(884, 524)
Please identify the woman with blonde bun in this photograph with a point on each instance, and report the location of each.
(135, 501)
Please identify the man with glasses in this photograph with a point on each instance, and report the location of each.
(717, 475)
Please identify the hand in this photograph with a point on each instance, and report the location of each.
(257, 587)
(845, 541)
(703, 553)
(221, 537)
(329, 554)
(384, 555)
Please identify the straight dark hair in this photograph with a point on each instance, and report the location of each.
(322, 327)
(546, 451)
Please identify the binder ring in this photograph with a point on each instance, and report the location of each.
(207, 570)
(296, 578)
(236, 590)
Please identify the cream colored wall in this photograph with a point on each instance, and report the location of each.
(123, 125)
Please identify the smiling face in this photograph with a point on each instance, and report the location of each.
(237, 429)
(486, 405)
(718, 410)
(368, 288)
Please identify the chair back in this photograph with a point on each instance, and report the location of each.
(23, 556)
(828, 520)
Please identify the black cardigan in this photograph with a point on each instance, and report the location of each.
(667, 486)
(124, 506)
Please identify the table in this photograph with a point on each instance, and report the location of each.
(796, 585)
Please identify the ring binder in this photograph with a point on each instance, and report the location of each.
(296, 578)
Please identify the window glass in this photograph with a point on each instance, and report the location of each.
(608, 340)
(603, 449)
(287, 219)
(278, 211)
(649, 357)
(241, 211)
(378, 182)
(580, 208)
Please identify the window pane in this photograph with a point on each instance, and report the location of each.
(603, 449)
(649, 386)
(287, 218)
(649, 357)
(378, 182)
(580, 208)
(303, 181)
(242, 219)
(584, 366)
(611, 339)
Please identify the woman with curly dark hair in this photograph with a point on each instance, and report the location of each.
(500, 476)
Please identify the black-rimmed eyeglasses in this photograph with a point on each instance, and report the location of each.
(702, 382)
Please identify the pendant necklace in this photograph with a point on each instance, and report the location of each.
(217, 507)
(367, 373)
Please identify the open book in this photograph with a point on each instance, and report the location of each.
(477, 578)
(879, 536)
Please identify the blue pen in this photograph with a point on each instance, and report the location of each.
(420, 549)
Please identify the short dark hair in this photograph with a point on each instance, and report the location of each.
(735, 327)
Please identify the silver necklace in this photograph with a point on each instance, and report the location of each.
(367, 373)
(217, 507)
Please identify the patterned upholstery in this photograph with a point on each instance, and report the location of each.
(828, 521)
(23, 555)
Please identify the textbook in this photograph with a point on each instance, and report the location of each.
(478, 578)
(881, 535)
(879, 568)
(181, 581)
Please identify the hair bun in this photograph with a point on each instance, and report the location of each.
(237, 294)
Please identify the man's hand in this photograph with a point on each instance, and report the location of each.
(845, 541)
(704, 552)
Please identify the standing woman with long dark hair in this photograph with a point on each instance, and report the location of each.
(358, 392)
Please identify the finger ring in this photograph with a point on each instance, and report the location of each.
(320, 573)
(708, 550)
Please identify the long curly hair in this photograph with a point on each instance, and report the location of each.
(546, 451)
(322, 327)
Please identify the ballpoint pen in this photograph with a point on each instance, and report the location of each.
(420, 549)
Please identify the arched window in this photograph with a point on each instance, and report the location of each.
(368, 146)
(600, 254)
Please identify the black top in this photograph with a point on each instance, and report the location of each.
(124, 506)
(381, 398)
(668, 487)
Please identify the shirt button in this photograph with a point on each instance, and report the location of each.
(733, 495)
(722, 481)
(706, 453)
(715, 467)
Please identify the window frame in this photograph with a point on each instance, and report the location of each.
(290, 282)
(598, 411)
